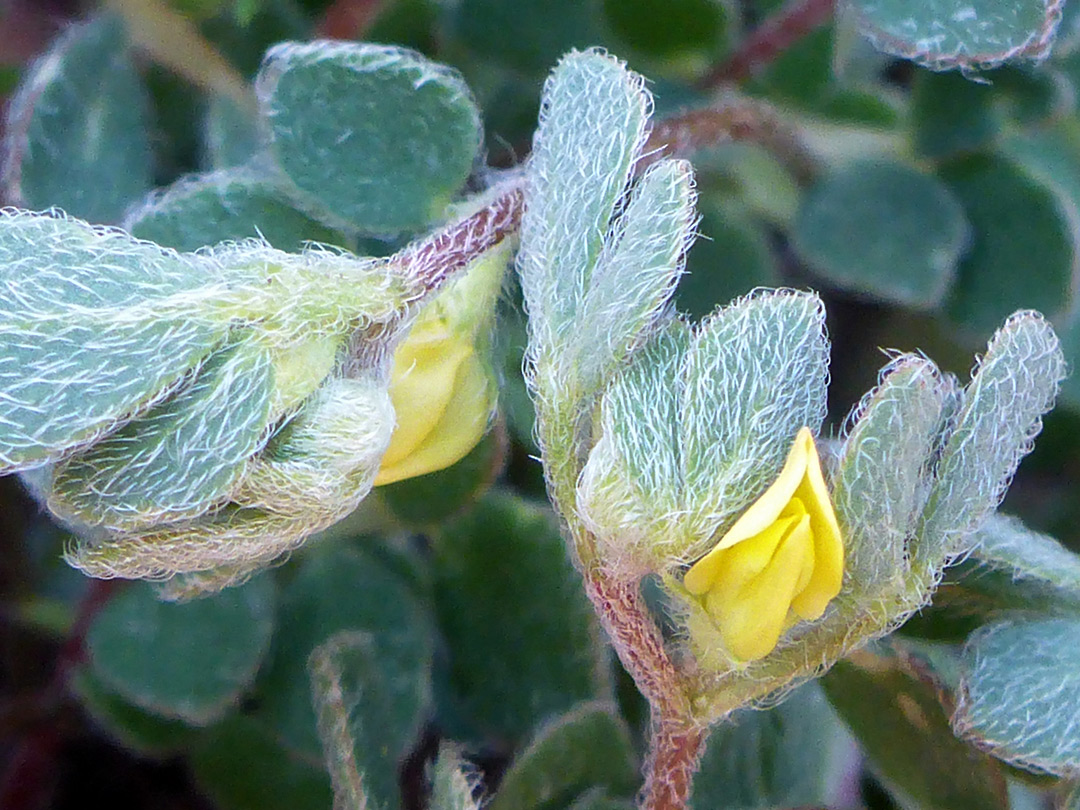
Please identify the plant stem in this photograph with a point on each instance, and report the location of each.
(770, 39)
(673, 761)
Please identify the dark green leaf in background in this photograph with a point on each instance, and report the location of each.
(360, 733)
(79, 132)
(242, 765)
(676, 29)
(370, 137)
(525, 35)
(1020, 690)
(338, 589)
(189, 661)
(148, 734)
(225, 206)
(885, 230)
(230, 134)
(522, 639)
(951, 114)
(891, 703)
(792, 755)
(427, 500)
(731, 257)
(1024, 244)
(583, 749)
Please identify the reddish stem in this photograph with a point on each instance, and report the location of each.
(33, 762)
(434, 260)
(349, 19)
(770, 39)
(673, 761)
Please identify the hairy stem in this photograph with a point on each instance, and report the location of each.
(673, 760)
(775, 35)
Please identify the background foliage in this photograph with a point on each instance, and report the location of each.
(926, 207)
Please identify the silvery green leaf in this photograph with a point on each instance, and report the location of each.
(181, 457)
(367, 137)
(592, 126)
(1020, 690)
(66, 380)
(1003, 541)
(1014, 384)
(882, 479)
(632, 484)
(755, 373)
(637, 270)
(51, 264)
(967, 34)
(79, 130)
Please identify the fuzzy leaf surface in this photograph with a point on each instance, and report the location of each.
(946, 34)
(370, 137)
(1020, 690)
(584, 748)
(189, 661)
(79, 129)
(179, 458)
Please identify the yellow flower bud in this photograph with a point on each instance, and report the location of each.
(441, 384)
(782, 561)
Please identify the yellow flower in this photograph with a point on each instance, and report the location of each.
(441, 384)
(782, 561)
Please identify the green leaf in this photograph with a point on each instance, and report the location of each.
(427, 500)
(951, 114)
(664, 29)
(1004, 542)
(880, 484)
(585, 748)
(338, 589)
(242, 765)
(82, 349)
(732, 257)
(67, 380)
(526, 35)
(788, 756)
(511, 607)
(1070, 344)
(885, 230)
(1020, 690)
(891, 703)
(967, 34)
(1024, 251)
(592, 106)
(79, 130)
(637, 270)
(147, 734)
(357, 728)
(181, 457)
(453, 782)
(188, 661)
(224, 206)
(369, 137)
(755, 373)
(1014, 385)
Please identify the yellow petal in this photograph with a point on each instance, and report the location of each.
(463, 423)
(730, 571)
(751, 624)
(825, 582)
(421, 386)
(772, 502)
